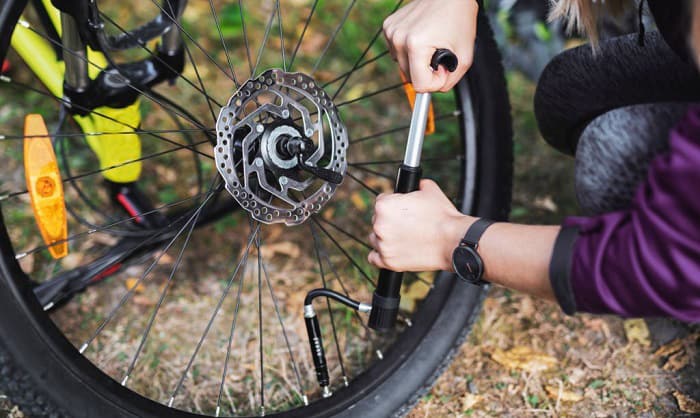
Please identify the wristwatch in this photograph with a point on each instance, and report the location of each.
(465, 260)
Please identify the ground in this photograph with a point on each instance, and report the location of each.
(527, 358)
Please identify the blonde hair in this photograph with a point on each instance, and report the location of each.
(582, 15)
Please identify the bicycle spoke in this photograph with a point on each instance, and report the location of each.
(362, 56)
(279, 24)
(236, 309)
(362, 183)
(264, 43)
(303, 32)
(110, 225)
(368, 95)
(423, 160)
(154, 55)
(295, 367)
(102, 170)
(400, 128)
(223, 43)
(260, 330)
(345, 253)
(349, 73)
(163, 293)
(333, 36)
(62, 101)
(245, 38)
(128, 82)
(138, 282)
(340, 282)
(243, 260)
(328, 306)
(346, 233)
(187, 34)
(81, 134)
(376, 173)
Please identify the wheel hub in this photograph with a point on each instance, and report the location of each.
(275, 132)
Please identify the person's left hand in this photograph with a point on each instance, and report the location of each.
(416, 231)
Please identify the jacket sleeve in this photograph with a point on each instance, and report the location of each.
(644, 261)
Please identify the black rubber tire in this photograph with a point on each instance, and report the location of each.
(44, 374)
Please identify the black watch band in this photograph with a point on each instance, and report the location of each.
(466, 261)
(475, 231)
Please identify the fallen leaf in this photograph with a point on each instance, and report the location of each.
(132, 282)
(668, 349)
(27, 263)
(686, 403)
(545, 203)
(562, 395)
(677, 361)
(636, 330)
(524, 358)
(143, 300)
(413, 293)
(287, 248)
(469, 400)
(358, 201)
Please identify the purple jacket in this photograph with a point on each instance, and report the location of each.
(644, 261)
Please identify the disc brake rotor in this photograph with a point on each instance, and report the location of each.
(263, 121)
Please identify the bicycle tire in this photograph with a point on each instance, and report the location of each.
(44, 374)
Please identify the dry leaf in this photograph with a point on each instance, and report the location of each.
(636, 330)
(677, 361)
(287, 248)
(413, 293)
(524, 358)
(133, 281)
(27, 263)
(143, 300)
(669, 349)
(358, 201)
(469, 400)
(546, 203)
(563, 395)
(686, 403)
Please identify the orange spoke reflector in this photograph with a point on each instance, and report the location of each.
(411, 96)
(45, 186)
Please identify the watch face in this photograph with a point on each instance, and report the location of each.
(467, 264)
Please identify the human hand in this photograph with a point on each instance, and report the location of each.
(415, 31)
(416, 231)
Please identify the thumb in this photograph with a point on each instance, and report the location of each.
(423, 77)
(428, 185)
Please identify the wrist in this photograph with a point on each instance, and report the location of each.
(454, 231)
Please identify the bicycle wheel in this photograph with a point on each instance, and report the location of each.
(199, 312)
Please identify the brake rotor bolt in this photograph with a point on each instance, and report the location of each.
(259, 128)
(309, 132)
(259, 161)
(284, 180)
(285, 113)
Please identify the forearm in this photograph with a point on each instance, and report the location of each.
(518, 257)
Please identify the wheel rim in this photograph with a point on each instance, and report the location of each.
(335, 248)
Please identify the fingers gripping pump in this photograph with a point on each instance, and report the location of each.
(385, 301)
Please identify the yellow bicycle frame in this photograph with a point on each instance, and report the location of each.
(112, 150)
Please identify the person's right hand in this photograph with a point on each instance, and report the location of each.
(415, 31)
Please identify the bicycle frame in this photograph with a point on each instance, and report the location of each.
(40, 56)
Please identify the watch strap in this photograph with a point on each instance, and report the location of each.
(475, 231)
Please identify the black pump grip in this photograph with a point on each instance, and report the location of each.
(444, 57)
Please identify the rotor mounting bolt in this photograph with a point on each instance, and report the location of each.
(259, 162)
(285, 113)
(309, 132)
(259, 128)
(283, 180)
